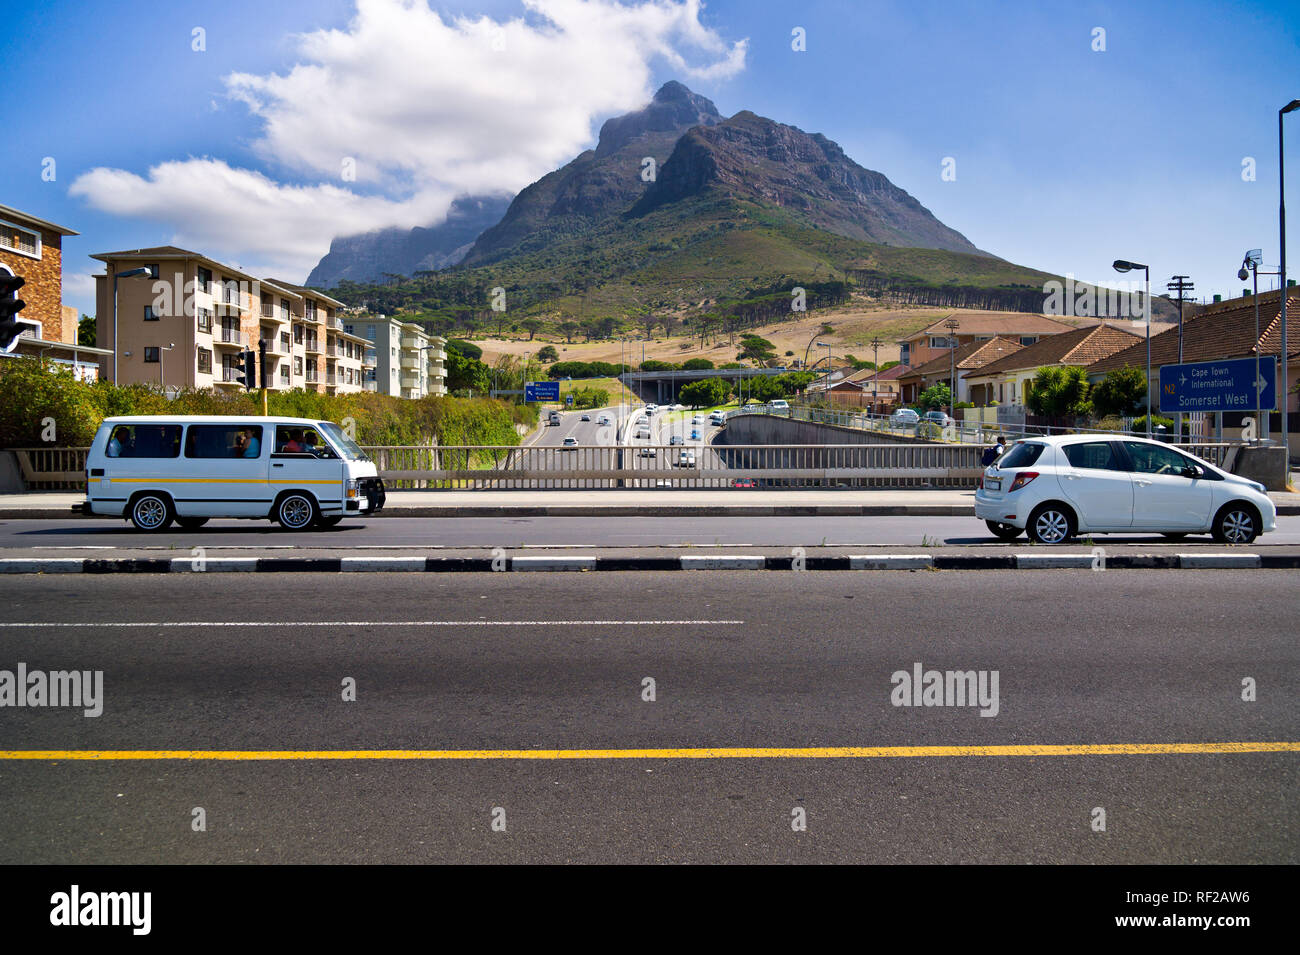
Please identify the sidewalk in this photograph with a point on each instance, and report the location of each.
(670, 502)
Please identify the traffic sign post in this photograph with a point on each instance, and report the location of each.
(541, 391)
(1228, 385)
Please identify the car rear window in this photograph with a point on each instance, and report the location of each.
(1022, 455)
(1097, 455)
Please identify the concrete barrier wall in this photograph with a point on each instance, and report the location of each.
(11, 476)
(772, 429)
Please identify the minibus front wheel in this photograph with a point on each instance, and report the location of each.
(296, 511)
(150, 511)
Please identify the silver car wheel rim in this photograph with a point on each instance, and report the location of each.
(1051, 526)
(150, 512)
(295, 512)
(1237, 526)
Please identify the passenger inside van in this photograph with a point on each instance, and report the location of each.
(248, 443)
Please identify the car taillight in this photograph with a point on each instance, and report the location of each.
(979, 483)
(1023, 478)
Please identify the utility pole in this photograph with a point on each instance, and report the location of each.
(1180, 284)
(952, 325)
(875, 376)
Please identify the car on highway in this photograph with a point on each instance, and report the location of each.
(651, 409)
(603, 419)
(744, 482)
(717, 418)
(687, 458)
(778, 405)
(675, 440)
(698, 419)
(1054, 488)
(156, 469)
(648, 452)
(939, 418)
(554, 418)
(585, 417)
(695, 434)
(904, 418)
(569, 443)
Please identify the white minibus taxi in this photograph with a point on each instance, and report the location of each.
(153, 469)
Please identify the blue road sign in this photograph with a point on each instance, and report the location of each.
(541, 391)
(1227, 385)
(568, 399)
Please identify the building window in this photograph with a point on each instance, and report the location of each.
(205, 319)
(1028, 339)
(284, 341)
(370, 332)
(151, 356)
(149, 315)
(284, 309)
(941, 341)
(297, 365)
(310, 310)
(205, 361)
(153, 270)
(284, 374)
(22, 241)
(205, 279)
(230, 292)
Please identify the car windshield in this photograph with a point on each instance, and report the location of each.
(1022, 455)
(346, 447)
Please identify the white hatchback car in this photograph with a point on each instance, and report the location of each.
(1056, 487)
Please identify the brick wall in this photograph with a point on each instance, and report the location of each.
(43, 292)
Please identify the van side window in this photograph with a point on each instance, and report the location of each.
(223, 441)
(144, 441)
(296, 441)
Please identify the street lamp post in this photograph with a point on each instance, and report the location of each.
(120, 275)
(1281, 222)
(1252, 261)
(162, 375)
(1122, 265)
(952, 325)
(875, 376)
(1180, 284)
(827, 346)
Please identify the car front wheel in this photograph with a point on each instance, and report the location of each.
(1236, 524)
(295, 512)
(151, 512)
(1050, 524)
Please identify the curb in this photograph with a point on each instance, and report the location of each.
(583, 563)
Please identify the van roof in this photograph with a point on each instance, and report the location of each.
(207, 419)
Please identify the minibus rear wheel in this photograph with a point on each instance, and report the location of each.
(296, 511)
(150, 511)
(191, 523)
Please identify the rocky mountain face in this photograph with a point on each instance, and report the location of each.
(750, 157)
(599, 184)
(676, 150)
(366, 257)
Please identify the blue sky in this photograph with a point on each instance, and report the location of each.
(1066, 157)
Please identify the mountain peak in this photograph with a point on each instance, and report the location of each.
(673, 109)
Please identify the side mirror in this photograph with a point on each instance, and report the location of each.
(1193, 471)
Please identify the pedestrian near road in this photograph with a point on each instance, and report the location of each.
(993, 453)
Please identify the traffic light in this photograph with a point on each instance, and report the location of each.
(10, 306)
(247, 375)
(261, 351)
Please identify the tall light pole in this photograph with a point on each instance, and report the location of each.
(827, 346)
(875, 376)
(162, 375)
(120, 275)
(1281, 224)
(952, 325)
(1180, 284)
(1252, 262)
(1122, 265)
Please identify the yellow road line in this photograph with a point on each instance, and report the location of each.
(817, 752)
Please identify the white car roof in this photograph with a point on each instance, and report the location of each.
(209, 419)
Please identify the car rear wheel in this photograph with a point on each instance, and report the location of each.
(151, 512)
(1236, 524)
(1006, 532)
(1050, 524)
(295, 511)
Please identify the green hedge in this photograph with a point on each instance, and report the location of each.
(33, 393)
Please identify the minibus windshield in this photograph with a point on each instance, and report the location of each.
(346, 447)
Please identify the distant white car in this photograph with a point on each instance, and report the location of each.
(687, 458)
(697, 420)
(569, 442)
(778, 405)
(585, 417)
(904, 418)
(675, 439)
(1057, 487)
(648, 452)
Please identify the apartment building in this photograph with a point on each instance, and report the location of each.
(408, 361)
(183, 320)
(32, 248)
(321, 350)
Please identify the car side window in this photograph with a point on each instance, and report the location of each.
(144, 441)
(1154, 459)
(223, 441)
(1094, 455)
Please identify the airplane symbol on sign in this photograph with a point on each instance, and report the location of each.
(1182, 379)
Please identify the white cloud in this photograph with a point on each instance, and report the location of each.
(427, 108)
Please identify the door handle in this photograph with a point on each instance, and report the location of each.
(277, 465)
(1141, 482)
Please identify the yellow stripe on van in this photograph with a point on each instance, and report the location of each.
(173, 480)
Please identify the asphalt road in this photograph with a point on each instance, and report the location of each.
(491, 532)
(493, 662)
